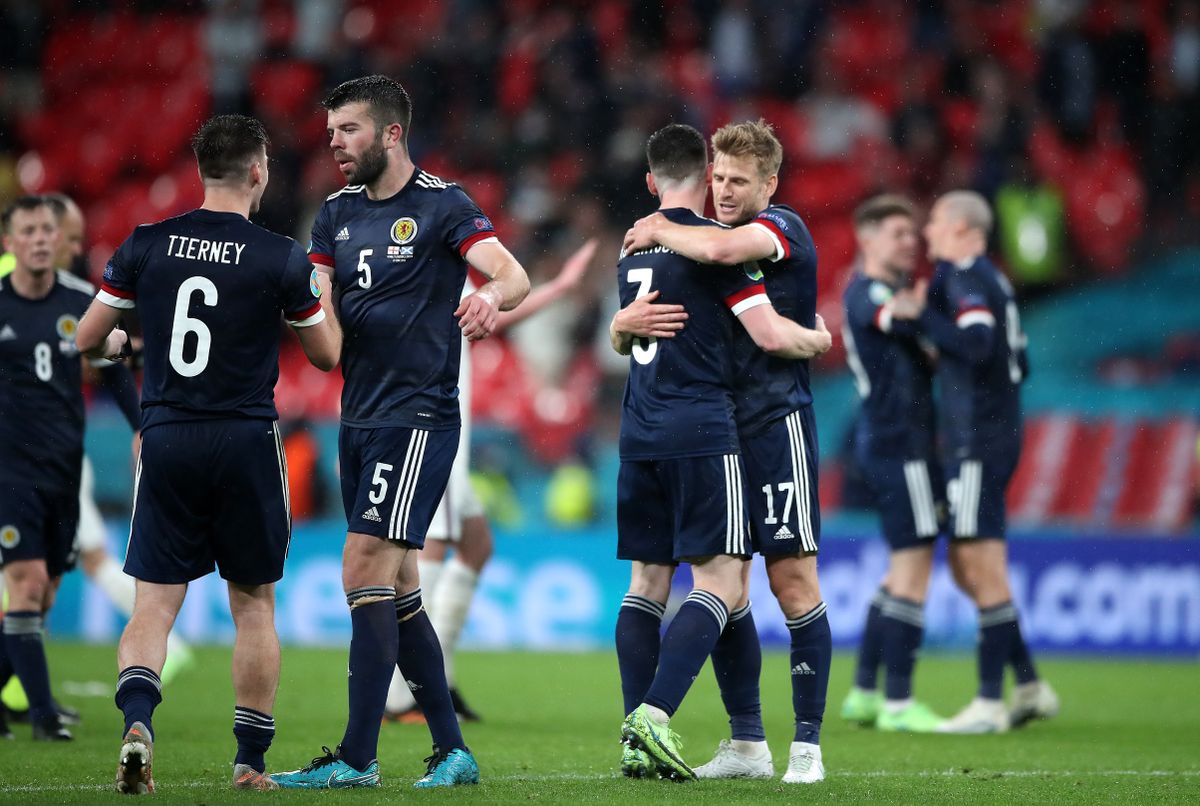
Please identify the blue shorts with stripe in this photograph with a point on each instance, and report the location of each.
(910, 497)
(210, 492)
(671, 510)
(393, 479)
(781, 483)
(975, 490)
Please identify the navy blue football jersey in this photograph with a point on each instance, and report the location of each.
(770, 388)
(893, 373)
(209, 288)
(41, 395)
(399, 266)
(679, 396)
(972, 318)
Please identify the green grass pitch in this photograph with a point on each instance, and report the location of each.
(1129, 733)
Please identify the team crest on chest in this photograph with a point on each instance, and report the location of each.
(9, 537)
(404, 230)
(66, 326)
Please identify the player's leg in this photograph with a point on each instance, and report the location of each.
(255, 681)
(28, 586)
(140, 657)
(863, 701)
(105, 572)
(909, 508)
(456, 590)
(639, 622)
(737, 664)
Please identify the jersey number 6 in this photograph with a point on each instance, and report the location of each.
(184, 324)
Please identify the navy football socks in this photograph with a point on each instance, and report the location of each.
(372, 656)
(812, 653)
(870, 649)
(688, 643)
(139, 691)
(998, 635)
(254, 731)
(638, 642)
(903, 626)
(26, 653)
(737, 663)
(420, 660)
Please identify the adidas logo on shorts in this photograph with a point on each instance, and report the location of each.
(802, 668)
(784, 533)
(372, 514)
(344, 235)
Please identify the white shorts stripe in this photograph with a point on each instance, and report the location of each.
(137, 480)
(734, 474)
(728, 507)
(406, 471)
(410, 490)
(281, 457)
(920, 497)
(800, 474)
(970, 476)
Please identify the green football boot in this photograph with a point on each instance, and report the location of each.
(635, 763)
(659, 742)
(916, 718)
(862, 706)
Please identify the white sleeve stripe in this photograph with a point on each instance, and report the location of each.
(316, 318)
(779, 249)
(976, 318)
(884, 318)
(750, 302)
(113, 301)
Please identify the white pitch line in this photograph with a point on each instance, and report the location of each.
(575, 776)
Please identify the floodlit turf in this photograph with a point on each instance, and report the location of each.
(1129, 732)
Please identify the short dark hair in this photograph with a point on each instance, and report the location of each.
(226, 145)
(677, 152)
(387, 99)
(878, 208)
(26, 203)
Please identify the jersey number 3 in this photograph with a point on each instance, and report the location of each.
(183, 324)
(644, 350)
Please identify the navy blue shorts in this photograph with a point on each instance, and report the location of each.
(38, 523)
(393, 479)
(975, 490)
(210, 492)
(672, 510)
(781, 483)
(909, 495)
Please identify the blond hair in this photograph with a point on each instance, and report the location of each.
(751, 139)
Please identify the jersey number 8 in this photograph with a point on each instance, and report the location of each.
(184, 324)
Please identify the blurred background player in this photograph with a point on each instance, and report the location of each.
(680, 448)
(969, 313)
(460, 524)
(94, 557)
(777, 429)
(397, 242)
(41, 436)
(211, 484)
(895, 449)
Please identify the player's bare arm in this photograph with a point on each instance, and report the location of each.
(566, 281)
(97, 336)
(322, 342)
(507, 285)
(727, 247)
(645, 318)
(782, 337)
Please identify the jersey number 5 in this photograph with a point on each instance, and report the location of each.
(644, 350)
(184, 324)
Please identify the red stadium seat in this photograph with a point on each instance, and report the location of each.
(285, 90)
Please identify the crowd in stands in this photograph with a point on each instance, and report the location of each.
(1078, 119)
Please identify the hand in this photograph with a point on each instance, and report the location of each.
(136, 448)
(116, 346)
(576, 265)
(910, 303)
(645, 318)
(825, 341)
(641, 235)
(477, 314)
